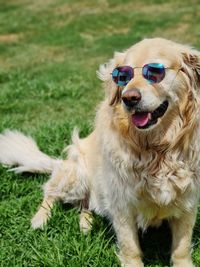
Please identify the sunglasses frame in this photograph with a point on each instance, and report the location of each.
(131, 70)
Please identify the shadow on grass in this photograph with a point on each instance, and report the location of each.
(156, 245)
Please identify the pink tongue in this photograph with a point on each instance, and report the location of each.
(141, 119)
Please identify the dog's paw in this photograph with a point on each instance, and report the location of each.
(86, 219)
(134, 262)
(187, 264)
(183, 263)
(40, 219)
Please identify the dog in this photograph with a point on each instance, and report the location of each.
(141, 163)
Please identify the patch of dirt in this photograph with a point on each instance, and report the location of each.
(10, 37)
(111, 29)
(85, 7)
(33, 55)
(39, 54)
(38, 5)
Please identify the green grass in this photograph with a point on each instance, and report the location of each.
(49, 53)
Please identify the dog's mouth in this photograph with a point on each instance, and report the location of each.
(145, 119)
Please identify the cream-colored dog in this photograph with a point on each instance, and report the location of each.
(141, 164)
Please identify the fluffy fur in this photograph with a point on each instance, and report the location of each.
(136, 177)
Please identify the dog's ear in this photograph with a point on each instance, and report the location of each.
(191, 60)
(104, 74)
(105, 70)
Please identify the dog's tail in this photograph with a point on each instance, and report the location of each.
(21, 151)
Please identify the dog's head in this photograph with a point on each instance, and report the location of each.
(152, 84)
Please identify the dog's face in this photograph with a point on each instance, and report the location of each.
(148, 101)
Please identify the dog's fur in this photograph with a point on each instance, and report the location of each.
(135, 177)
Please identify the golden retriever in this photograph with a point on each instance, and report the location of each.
(141, 164)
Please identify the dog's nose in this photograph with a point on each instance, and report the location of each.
(131, 97)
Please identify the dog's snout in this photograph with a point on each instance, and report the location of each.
(131, 97)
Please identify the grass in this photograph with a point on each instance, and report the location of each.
(50, 51)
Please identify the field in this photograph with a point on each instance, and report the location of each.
(49, 53)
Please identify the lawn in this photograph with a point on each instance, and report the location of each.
(49, 53)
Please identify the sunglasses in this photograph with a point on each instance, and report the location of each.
(152, 72)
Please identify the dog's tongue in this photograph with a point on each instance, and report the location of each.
(141, 119)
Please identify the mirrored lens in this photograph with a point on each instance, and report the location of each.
(153, 72)
(122, 75)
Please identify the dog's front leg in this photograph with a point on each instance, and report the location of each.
(181, 240)
(127, 235)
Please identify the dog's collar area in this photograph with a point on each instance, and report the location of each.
(145, 119)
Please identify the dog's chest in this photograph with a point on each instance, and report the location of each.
(162, 182)
(161, 194)
(155, 185)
